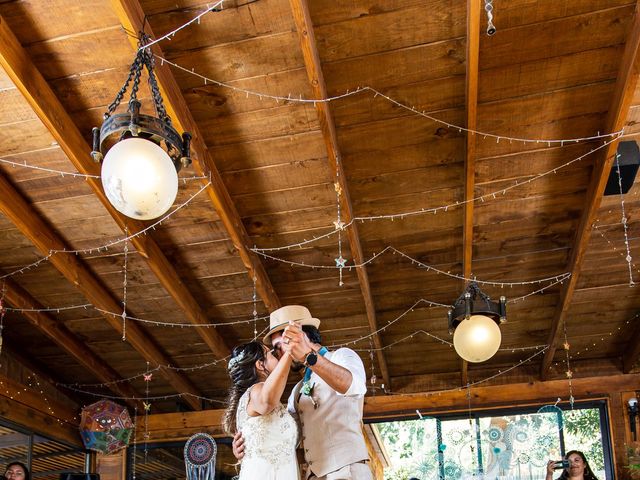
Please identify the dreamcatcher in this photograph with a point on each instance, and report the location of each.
(200, 457)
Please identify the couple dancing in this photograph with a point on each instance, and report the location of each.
(324, 411)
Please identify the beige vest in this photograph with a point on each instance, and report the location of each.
(332, 433)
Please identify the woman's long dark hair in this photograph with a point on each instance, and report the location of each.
(27, 475)
(243, 373)
(588, 474)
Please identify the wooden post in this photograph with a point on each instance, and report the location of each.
(112, 467)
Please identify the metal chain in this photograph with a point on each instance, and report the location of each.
(144, 58)
(158, 103)
(112, 107)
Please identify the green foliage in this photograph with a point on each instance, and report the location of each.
(582, 432)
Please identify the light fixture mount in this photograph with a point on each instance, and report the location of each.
(474, 301)
(133, 123)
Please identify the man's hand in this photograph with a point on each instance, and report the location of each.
(238, 446)
(296, 342)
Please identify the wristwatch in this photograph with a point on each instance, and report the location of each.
(310, 359)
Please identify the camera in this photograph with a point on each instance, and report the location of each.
(560, 464)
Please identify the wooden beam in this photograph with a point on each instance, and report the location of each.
(46, 105)
(632, 351)
(471, 94)
(304, 26)
(132, 17)
(170, 427)
(495, 396)
(626, 83)
(27, 408)
(61, 335)
(179, 426)
(29, 222)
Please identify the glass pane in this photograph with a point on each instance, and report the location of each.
(519, 446)
(582, 432)
(413, 447)
(459, 445)
(512, 447)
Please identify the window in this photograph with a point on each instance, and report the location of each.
(45, 458)
(507, 444)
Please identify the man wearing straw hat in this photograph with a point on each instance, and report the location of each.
(327, 402)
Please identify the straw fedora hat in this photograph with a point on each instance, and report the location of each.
(281, 317)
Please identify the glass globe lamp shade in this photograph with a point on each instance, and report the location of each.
(477, 339)
(139, 178)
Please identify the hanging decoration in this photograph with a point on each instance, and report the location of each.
(124, 288)
(488, 7)
(624, 222)
(105, 427)
(147, 408)
(200, 457)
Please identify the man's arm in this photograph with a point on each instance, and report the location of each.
(337, 377)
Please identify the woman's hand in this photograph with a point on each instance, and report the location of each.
(238, 446)
(550, 468)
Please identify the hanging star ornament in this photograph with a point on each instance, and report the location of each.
(566, 345)
(569, 374)
(338, 188)
(147, 376)
(339, 225)
(340, 262)
(147, 406)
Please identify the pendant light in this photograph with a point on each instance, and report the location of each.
(141, 155)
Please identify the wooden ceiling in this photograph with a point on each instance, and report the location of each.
(553, 70)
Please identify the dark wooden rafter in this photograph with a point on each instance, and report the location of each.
(132, 17)
(471, 95)
(631, 354)
(27, 220)
(626, 83)
(45, 104)
(61, 335)
(304, 26)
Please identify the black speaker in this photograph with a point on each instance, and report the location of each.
(629, 160)
(79, 476)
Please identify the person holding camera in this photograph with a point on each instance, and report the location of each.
(574, 467)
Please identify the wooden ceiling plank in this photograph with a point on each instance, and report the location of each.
(626, 83)
(29, 222)
(61, 335)
(46, 105)
(304, 26)
(471, 92)
(132, 18)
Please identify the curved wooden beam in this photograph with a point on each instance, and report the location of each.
(132, 17)
(626, 83)
(304, 26)
(46, 105)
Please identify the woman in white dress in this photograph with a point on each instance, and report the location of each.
(270, 432)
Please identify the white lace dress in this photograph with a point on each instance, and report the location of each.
(270, 444)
